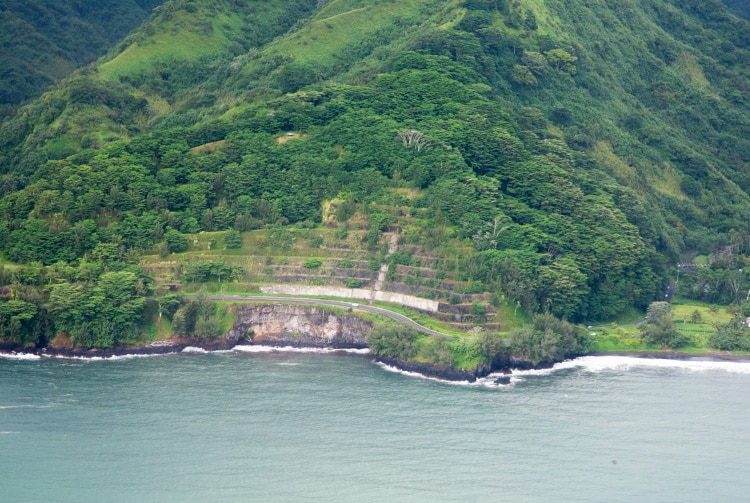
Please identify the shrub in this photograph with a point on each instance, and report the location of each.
(312, 263)
(549, 339)
(478, 309)
(732, 336)
(207, 327)
(393, 340)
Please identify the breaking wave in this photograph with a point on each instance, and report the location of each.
(596, 364)
(20, 356)
(290, 349)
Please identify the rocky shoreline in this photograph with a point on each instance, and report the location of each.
(502, 366)
(170, 346)
(299, 326)
(177, 345)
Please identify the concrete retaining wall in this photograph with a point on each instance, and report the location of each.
(353, 293)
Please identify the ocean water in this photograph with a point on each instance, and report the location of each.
(279, 426)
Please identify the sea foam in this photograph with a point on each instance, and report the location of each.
(193, 349)
(20, 356)
(595, 364)
(290, 349)
(488, 381)
(103, 358)
(607, 363)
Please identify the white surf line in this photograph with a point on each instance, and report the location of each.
(20, 356)
(602, 363)
(486, 382)
(291, 349)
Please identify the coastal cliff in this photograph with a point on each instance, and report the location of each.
(299, 326)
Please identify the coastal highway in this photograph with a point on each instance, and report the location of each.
(337, 303)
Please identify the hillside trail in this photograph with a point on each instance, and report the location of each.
(392, 247)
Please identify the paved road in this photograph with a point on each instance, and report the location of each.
(338, 303)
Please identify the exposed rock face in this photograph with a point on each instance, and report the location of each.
(299, 326)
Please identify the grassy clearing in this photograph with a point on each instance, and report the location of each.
(510, 317)
(264, 261)
(141, 57)
(700, 332)
(177, 39)
(683, 310)
(338, 27)
(423, 319)
(547, 23)
(11, 266)
(616, 337)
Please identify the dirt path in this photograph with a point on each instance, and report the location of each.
(392, 247)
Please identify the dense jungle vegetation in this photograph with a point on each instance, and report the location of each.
(579, 149)
(43, 42)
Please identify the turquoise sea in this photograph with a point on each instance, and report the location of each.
(279, 426)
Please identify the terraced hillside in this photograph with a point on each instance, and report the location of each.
(343, 258)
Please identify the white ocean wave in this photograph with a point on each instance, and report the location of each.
(594, 364)
(103, 358)
(409, 373)
(290, 349)
(193, 349)
(486, 382)
(20, 356)
(606, 363)
(130, 357)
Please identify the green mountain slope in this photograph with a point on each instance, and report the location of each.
(45, 41)
(578, 147)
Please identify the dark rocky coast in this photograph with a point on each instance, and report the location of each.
(301, 326)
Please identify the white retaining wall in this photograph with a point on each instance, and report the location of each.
(353, 293)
